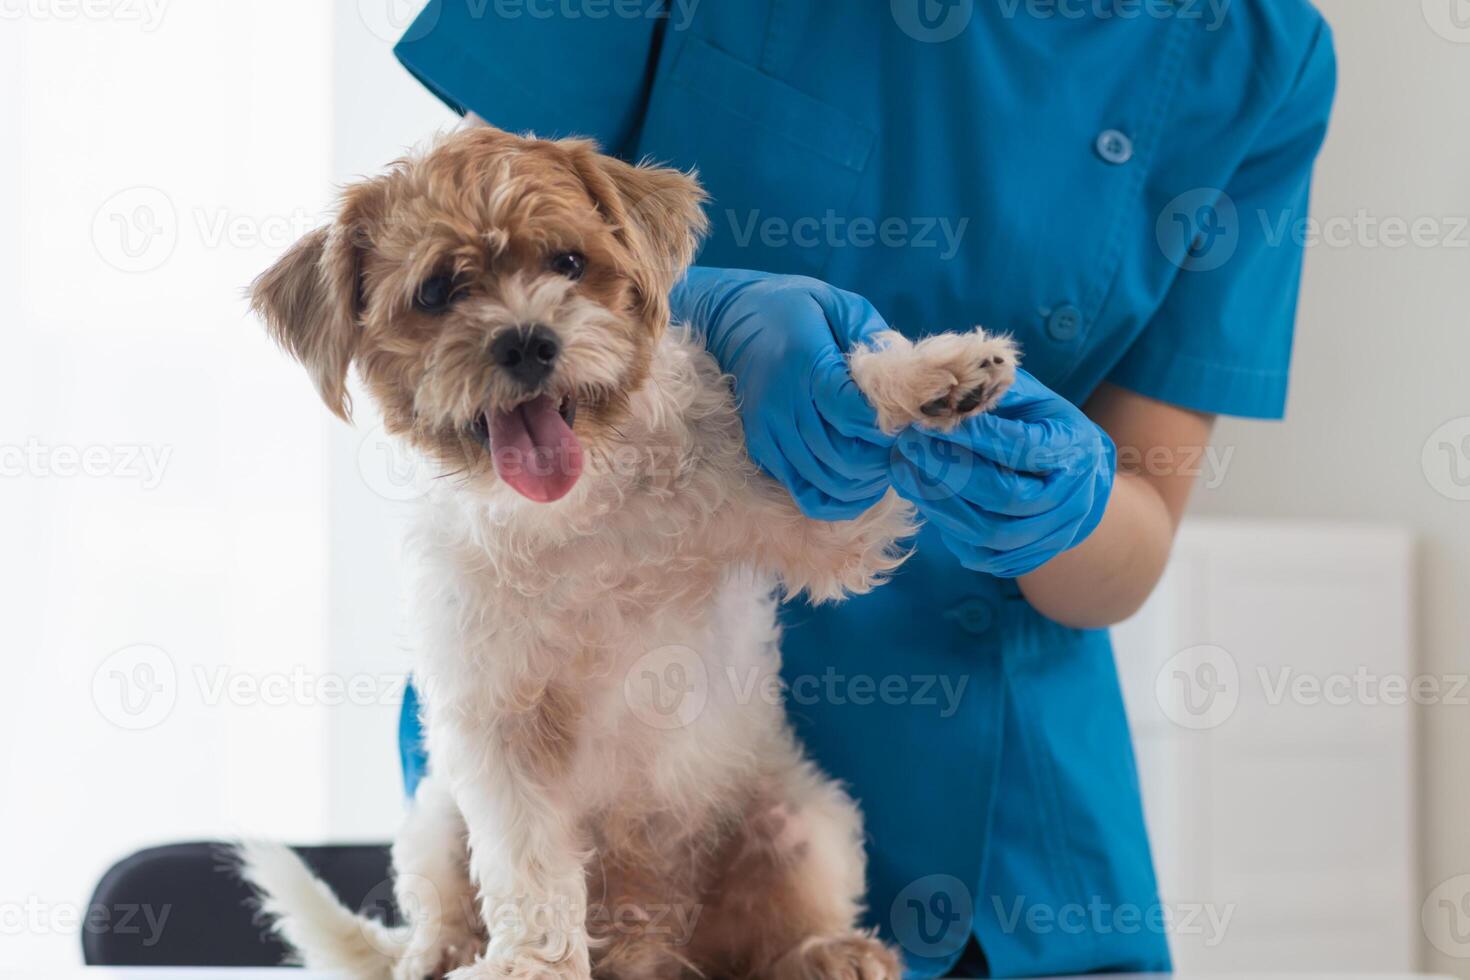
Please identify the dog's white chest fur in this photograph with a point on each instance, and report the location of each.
(624, 595)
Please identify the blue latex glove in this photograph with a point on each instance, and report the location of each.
(1012, 488)
(783, 339)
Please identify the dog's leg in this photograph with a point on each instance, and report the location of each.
(826, 560)
(510, 777)
(786, 905)
(935, 382)
(432, 885)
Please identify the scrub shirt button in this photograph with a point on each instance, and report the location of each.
(974, 616)
(1114, 146)
(1064, 323)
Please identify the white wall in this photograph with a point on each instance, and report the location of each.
(379, 110)
(1381, 364)
(149, 171)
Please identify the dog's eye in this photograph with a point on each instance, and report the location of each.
(434, 294)
(569, 264)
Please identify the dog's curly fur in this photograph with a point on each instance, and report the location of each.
(574, 823)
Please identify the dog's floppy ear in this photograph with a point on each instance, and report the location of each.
(658, 213)
(311, 299)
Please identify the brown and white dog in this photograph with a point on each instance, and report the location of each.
(598, 523)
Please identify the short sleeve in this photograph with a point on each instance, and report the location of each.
(1221, 341)
(527, 66)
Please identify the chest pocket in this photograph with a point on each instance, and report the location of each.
(776, 162)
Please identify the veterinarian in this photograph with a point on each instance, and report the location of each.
(1099, 179)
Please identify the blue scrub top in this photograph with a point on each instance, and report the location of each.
(1118, 184)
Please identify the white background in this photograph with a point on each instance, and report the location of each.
(264, 558)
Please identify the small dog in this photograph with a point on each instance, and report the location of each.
(599, 527)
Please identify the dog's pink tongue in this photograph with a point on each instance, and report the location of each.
(534, 450)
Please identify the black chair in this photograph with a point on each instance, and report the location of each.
(185, 905)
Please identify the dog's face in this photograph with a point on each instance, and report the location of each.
(501, 298)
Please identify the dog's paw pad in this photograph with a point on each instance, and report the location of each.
(852, 957)
(974, 379)
(936, 382)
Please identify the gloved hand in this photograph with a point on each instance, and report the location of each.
(1012, 488)
(784, 340)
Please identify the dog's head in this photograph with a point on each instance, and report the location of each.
(501, 298)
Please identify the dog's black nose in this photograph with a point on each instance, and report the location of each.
(527, 353)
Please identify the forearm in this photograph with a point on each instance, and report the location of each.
(1106, 579)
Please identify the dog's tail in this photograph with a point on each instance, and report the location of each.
(310, 919)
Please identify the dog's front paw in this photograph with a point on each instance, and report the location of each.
(449, 951)
(937, 382)
(521, 968)
(856, 956)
